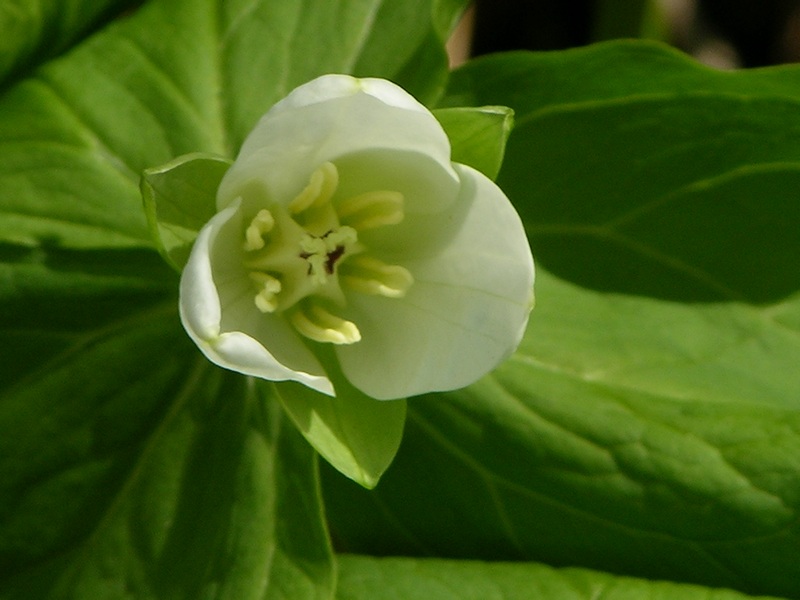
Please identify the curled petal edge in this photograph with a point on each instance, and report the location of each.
(201, 315)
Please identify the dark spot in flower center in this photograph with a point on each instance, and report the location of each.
(332, 257)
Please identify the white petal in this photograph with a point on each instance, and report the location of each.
(199, 301)
(218, 312)
(465, 312)
(328, 118)
(332, 86)
(425, 186)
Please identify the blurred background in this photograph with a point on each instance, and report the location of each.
(726, 34)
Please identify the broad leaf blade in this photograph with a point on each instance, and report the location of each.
(646, 19)
(156, 474)
(364, 578)
(685, 224)
(446, 14)
(37, 30)
(539, 464)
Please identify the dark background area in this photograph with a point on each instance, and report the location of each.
(748, 33)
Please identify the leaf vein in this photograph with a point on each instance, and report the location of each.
(104, 151)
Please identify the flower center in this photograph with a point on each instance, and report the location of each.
(303, 256)
(322, 253)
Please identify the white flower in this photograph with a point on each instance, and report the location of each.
(344, 225)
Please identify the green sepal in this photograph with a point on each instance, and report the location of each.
(477, 135)
(179, 198)
(358, 435)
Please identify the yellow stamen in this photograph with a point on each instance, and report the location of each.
(319, 325)
(321, 187)
(373, 209)
(301, 254)
(371, 276)
(261, 225)
(267, 297)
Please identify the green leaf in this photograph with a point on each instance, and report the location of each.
(446, 14)
(650, 422)
(34, 30)
(365, 578)
(478, 135)
(541, 463)
(179, 199)
(51, 297)
(356, 434)
(630, 19)
(133, 468)
(413, 57)
(713, 219)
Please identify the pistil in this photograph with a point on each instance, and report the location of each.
(322, 253)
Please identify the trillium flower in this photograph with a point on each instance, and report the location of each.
(344, 230)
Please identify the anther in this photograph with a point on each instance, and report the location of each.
(261, 224)
(371, 276)
(316, 323)
(373, 209)
(267, 297)
(321, 187)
